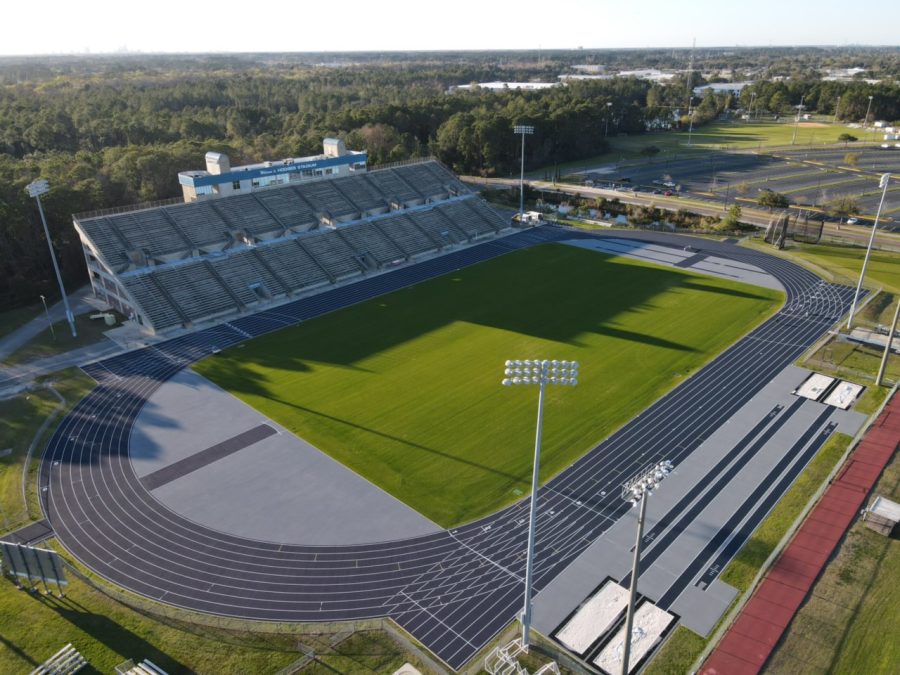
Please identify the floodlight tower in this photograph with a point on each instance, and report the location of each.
(636, 491)
(541, 373)
(523, 130)
(883, 184)
(36, 189)
(797, 120)
(750, 110)
(606, 127)
(868, 110)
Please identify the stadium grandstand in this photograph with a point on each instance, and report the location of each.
(178, 265)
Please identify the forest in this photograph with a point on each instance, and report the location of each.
(115, 130)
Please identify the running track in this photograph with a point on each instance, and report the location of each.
(454, 590)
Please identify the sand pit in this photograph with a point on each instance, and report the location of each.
(594, 618)
(650, 622)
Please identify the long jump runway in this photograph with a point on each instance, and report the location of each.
(453, 590)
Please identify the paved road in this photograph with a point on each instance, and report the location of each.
(19, 337)
(453, 590)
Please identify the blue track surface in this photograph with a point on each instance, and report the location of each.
(454, 590)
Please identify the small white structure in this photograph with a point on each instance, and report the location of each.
(882, 516)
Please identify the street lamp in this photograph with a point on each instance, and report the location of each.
(883, 184)
(868, 110)
(691, 115)
(541, 373)
(797, 121)
(608, 108)
(49, 320)
(636, 491)
(523, 129)
(36, 189)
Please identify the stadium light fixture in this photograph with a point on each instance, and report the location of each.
(636, 491)
(541, 373)
(883, 184)
(36, 189)
(797, 120)
(868, 110)
(608, 111)
(523, 130)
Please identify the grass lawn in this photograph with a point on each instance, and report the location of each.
(684, 646)
(90, 331)
(107, 633)
(736, 135)
(20, 419)
(849, 622)
(405, 389)
(14, 318)
(883, 269)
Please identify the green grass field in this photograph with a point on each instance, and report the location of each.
(733, 135)
(405, 389)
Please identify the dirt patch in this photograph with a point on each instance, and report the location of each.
(814, 125)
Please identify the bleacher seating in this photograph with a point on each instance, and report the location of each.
(242, 270)
(64, 662)
(335, 256)
(152, 232)
(388, 183)
(426, 183)
(439, 227)
(290, 208)
(367, 199)
(404, 232)
(108, 242)
(196, 290)
(187, 263)
(244, 212)
(366, 238)
(201, 224)
(293, 263)
(473, 217)
(154, 304)
(326, 199)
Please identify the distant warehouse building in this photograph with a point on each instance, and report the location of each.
(221, 179)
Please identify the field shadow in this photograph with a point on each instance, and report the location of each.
(528, 296)
(113, 635)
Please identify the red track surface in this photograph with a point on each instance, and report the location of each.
(751, 639)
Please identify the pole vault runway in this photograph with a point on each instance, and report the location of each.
(453, 590)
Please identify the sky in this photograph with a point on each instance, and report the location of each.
(79, 26)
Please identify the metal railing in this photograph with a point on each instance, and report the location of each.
(128, 208)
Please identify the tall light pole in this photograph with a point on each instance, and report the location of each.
(797, 121)
(49, 320)
(636, 491)
(524, 130)
(691, 128)
(868, 110)
(750, 111)
(883, 184)
(837, 107)
(608, 110)
(541, 373)
(36, 189)
(887, 346)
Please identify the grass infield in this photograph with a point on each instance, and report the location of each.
(405, 389)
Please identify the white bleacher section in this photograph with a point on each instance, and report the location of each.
(182, 264)
(64, 662)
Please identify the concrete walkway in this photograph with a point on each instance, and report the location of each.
(21, 336)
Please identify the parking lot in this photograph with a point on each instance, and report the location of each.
(807, 177)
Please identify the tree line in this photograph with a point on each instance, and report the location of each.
(113, 131)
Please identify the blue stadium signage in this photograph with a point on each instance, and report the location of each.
(263, 171)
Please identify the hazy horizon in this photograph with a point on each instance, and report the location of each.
(102, 27)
